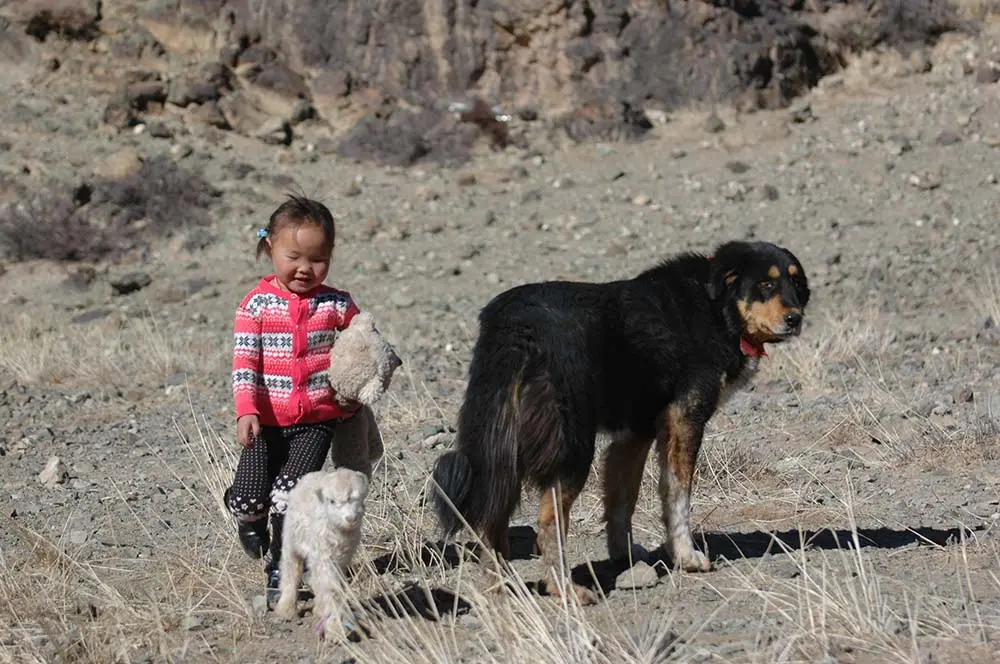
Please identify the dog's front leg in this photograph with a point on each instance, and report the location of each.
(677, 446)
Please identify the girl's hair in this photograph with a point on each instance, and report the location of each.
(296, 211)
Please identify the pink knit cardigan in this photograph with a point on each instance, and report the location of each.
(281, 353)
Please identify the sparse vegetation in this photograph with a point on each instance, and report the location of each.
(106, 218)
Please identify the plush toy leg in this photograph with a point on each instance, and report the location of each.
(375, 447)
(350, 443)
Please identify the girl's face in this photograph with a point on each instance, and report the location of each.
(301, 257)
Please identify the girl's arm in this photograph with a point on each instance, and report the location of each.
(246, 362)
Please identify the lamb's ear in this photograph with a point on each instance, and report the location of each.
(725, 269)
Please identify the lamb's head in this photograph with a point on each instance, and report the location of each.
(342, 494)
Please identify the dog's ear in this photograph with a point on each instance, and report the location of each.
(802, 285)
(726, 267)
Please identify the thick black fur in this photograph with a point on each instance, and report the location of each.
(557, 362)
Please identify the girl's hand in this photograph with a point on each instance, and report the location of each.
(247, 430)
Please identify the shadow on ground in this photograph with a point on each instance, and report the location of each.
(417, 601)
(747, 546)
(601, 575)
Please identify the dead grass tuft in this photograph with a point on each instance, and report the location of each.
(106, 353)
(106, 218)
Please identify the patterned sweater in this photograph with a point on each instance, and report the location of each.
(282, 352)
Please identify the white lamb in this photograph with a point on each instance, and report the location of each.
(322, 532)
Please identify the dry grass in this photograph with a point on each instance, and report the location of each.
(819, 358)
(188, 600)
(59, 602)
(188, 596)
(110, 352)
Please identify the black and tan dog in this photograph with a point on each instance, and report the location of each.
(646, 360)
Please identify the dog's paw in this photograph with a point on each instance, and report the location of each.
(693, 561)
(584, 596)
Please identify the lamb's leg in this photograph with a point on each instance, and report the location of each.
(291, 568)
(334, 617)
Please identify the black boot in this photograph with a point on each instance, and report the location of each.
(253, 534)
(272, 569)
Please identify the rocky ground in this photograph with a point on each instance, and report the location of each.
(849, 499)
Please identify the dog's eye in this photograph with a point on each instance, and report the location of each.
(766, 287)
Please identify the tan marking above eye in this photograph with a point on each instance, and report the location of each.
(792, 270)
(774, 272)
(730, 277)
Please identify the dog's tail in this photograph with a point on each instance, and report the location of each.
(478, 480)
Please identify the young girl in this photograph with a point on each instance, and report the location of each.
(285, 411)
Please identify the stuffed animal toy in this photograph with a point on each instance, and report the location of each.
(361, 366)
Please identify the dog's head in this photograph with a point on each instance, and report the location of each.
(767, 286)
(342, 493)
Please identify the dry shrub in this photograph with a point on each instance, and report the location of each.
(900, 24)
(109, 217)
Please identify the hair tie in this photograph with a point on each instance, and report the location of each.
(262, 233)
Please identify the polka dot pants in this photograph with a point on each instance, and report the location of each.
(268, 469)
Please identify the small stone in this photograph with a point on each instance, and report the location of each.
(303, 110)
(426, 194)
(54, 472)
(562, 183)
(769, 192)
(402, 300)
(159, 130)
(78, 537)
(948, 137)
(678, 153)
(352, 190)
(714, 124)
(965, 395)
(801, 111)
(734, 191)
(527, 114)
(276, 131)
(121, 164)
(641, 200)
(988, 74)
(130, 283)
(466, 180)
(181, 150)
(489, 218)
(437, 440)
(925, 181)
(192, 623)
(897, 145)
(493, 278)
(737, 167)
(640, 575)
